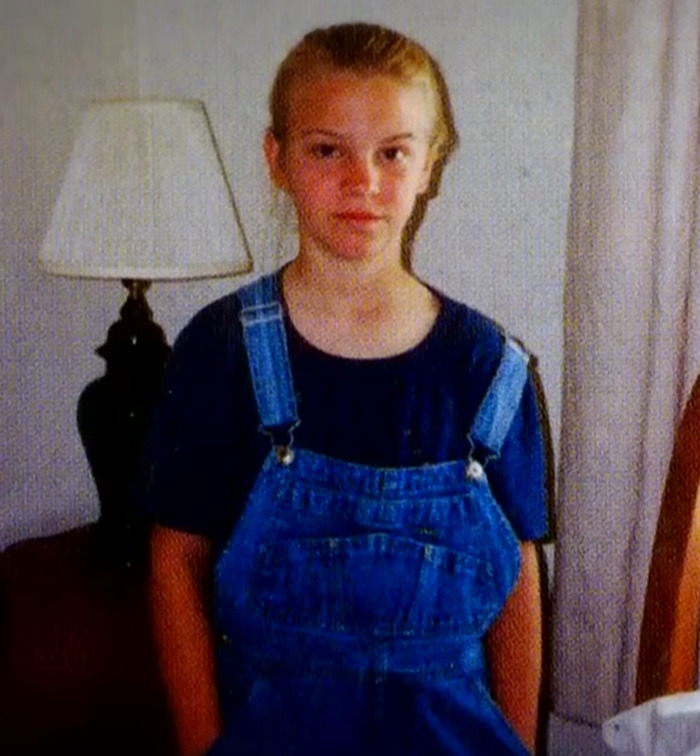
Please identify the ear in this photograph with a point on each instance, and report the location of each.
(275, 163)
(427, 173)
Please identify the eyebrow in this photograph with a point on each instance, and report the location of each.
(337, 135)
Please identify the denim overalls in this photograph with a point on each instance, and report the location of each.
(351, 601)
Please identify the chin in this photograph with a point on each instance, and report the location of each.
(359, 249)
(356, 254)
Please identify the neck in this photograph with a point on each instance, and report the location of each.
(341, 283)
(358, 311)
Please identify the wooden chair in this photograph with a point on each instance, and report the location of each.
(668, 651)
(78, 670)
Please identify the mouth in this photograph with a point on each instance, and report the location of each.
(357, 216)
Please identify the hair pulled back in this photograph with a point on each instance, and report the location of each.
(364, 49)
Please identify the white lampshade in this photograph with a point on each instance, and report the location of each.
(145, 197)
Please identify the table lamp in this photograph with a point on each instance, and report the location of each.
(145, 197)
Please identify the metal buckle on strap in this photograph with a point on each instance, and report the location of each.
(285, 455)
(474, 470)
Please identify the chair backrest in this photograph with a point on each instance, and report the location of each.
(668, 650)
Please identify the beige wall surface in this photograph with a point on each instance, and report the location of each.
(494, 238)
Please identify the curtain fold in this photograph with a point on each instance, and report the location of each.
(631, 331)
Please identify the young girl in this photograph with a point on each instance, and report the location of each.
(346, 469)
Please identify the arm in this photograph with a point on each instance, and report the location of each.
(514, 650)
(180, 569)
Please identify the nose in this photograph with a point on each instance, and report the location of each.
(362, 175)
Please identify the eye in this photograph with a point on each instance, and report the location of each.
(325, 150)
(394, 154)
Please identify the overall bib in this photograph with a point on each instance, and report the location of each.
(351, 601)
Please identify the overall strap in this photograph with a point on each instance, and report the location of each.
(266, 345)
(497, 410)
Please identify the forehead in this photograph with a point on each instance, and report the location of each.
(371, 104)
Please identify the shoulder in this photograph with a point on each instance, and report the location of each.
(468, 331)
(214, 321)
(214, 333)
(517, 475)
(465, 334)
(209, 350)
(471, 323)
(220, 319)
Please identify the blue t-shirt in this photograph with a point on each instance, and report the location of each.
(205, 447)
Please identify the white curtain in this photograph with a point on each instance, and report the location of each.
(632, 331)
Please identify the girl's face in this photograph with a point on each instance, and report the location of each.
(355, 157)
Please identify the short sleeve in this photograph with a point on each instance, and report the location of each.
(518, 476)
(195, 460)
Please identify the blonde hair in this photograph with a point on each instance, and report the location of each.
(364, 49)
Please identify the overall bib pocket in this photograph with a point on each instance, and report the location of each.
(376, 584)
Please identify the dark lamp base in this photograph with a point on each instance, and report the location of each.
(113, 416)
